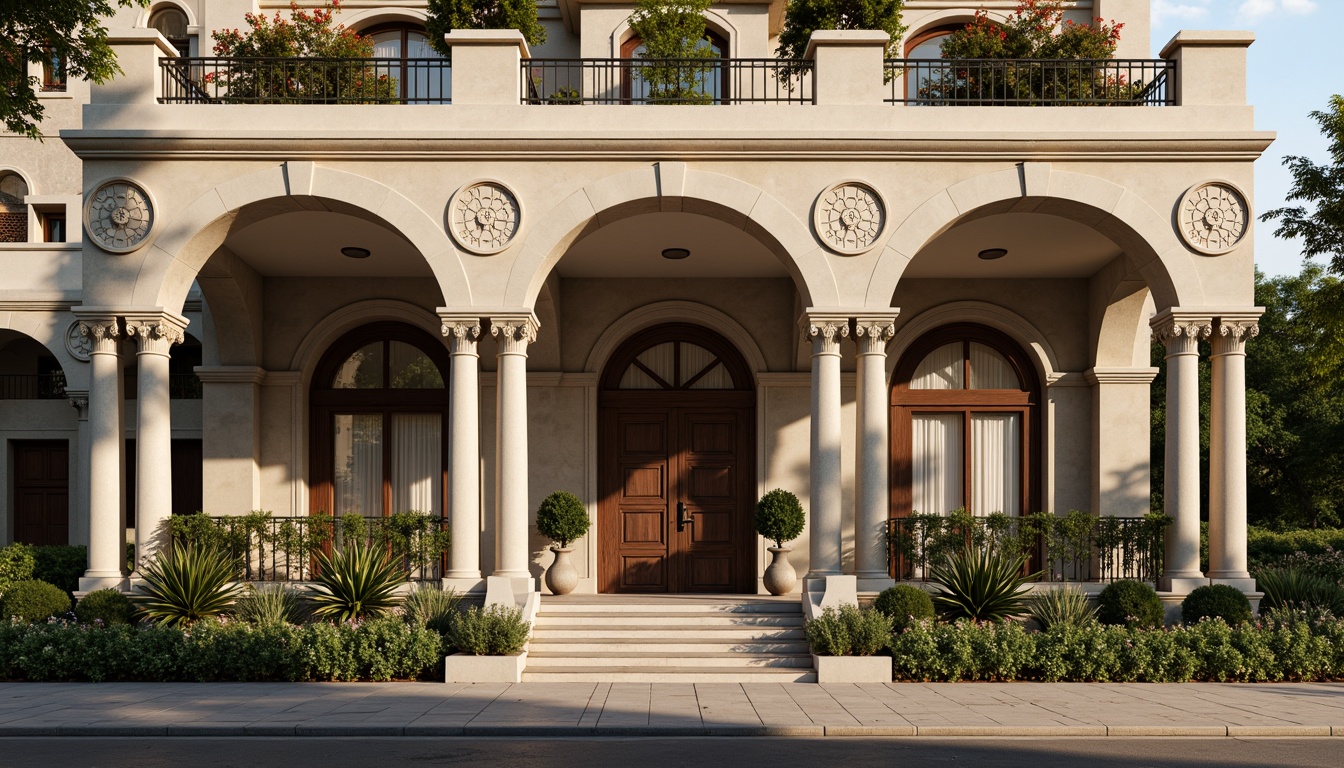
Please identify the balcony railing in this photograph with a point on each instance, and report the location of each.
(38, 386)
(666, 81)
(305, 81)
(1077, 547)
(266, 548)
(1031, 82)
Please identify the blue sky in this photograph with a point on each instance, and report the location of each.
(1295, 65)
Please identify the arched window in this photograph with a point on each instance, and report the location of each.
(13, 209)
(928, 44)
(408, 46)
(379, 416)
(171, 22)
(964, 401)
(712, 81)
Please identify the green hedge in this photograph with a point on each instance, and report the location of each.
(1263, 547)
(379, 650)
(1209, 651)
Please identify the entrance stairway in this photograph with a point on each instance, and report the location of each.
(669, 638)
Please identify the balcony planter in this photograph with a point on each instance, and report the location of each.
(852, 669)
(468, 668)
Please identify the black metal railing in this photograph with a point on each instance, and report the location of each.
(305, 81)
(184, 386)
(666, 81)
(1075, 547)
(1031, 82)
(267, 548)
(37, 386)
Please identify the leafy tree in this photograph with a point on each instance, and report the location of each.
(803, 17)
(67, 31)
(316, 43)
(443, 16)
(1322, 230)
(675, 36)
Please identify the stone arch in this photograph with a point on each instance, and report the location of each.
(49, 330)
(663, 312)
(145, 13)
(1121, 337)
(369, 17)
(715, 20)
(1146, 236)
(340, 322)
(944, 18)
(672, 187)
(188, 239)
(1018, 328)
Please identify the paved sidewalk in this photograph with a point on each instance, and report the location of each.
(641, 709)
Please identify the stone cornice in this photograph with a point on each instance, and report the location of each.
(230, 374)
(1120, 375)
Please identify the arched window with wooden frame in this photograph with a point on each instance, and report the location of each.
(414, 62)
(965, 430)
(714, 81)
(378, 423)
(171, 22)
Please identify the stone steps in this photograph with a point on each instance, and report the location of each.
(675, 638)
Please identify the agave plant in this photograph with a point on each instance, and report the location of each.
(187, 584)
(981, 585)
(357, 582)
(1063, 607)
(270, 604)
(1292, 588)
(432, 607)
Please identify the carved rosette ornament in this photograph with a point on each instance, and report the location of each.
(77, 344)
(484, 217)
(1213, 218)
(119, 216)
(849, 217)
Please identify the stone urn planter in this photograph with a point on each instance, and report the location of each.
(562, 577)
(780, 577)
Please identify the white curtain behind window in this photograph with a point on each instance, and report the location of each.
(936, 461)
(996, 463)
(943, 368)
(359, 464)
(417, 463)
(989, 369)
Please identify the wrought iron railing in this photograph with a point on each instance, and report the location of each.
(1032, 82)
(305, 81)
(1075, 547)
(37, 386)
(184, 386)
(666, 81)
(267, 548)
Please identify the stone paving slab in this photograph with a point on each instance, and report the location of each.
(568, 710)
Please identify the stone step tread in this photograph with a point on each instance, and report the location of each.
(662, 648)
(535, 654)
(741, 634)
(748, 609)
(679, 619)
(670, 674)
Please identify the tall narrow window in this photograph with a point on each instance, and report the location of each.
(963, 420)
(379, 416)
(417, 68)
(53, 72)
(13, 208)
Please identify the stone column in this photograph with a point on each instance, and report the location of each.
(872, 459)
(824, 495)
(106, 530)
(464, 451)
(1181, 334)
(79, 489)
(513, 333)
(155, 334)
(1227, 453)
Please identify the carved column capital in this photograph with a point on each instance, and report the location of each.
(80, 402)
(156, 332)
(462, 333)
(872, 332)
(514, 332)
(103, 334)
(1233, 333)
(1181, 332)
(825, 331)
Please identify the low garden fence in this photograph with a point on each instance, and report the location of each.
(268, 548)
(1075, 547)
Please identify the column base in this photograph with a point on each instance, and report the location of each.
(874, 583)
(511, 591)
(1182, 584)
(1242, 582)
(93, 582)
(820, 593)
(463, 583)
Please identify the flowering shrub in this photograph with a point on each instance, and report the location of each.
(1037, 29)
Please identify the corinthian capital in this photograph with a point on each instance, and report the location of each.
(872, 332)
(825, 330)
(462, 332)
(1234, 332)
(1181, 332)
(514, 332)
(102, 333)
(156, 332)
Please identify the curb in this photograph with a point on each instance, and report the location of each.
(647, 731)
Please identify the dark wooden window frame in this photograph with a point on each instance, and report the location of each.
(634, 41)
(942, 30)
(405, 29)
(325, 402)
(905, 402)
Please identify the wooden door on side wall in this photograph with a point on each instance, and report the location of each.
(676, 466)
(42, 491)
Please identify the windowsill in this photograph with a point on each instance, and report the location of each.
(23, 247)
(55, 94)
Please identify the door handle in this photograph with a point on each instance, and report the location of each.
(683, 519)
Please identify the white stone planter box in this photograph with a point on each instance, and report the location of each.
(466, 668)
(852, 669)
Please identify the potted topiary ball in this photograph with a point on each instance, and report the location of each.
(562, 519)
(779, 518)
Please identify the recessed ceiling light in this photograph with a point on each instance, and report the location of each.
(675, 253)
(355, 253)
(990, 254)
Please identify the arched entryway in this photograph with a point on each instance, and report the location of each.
(676, 465)
(965, 427)
(379, 416)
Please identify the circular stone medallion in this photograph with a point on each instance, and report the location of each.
(849, 217)
(1212, 217)
(77, 344)
(484, 217)
(118, 216)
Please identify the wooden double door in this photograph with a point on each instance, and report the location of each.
(676, 481)
(41, 491)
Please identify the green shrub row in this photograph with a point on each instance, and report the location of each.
(1211, 651)
(58, 565)
(211, 650)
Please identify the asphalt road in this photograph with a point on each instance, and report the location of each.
(656, 753)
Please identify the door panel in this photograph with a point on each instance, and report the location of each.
(41, 491)
(639, 480)
(710, 485)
